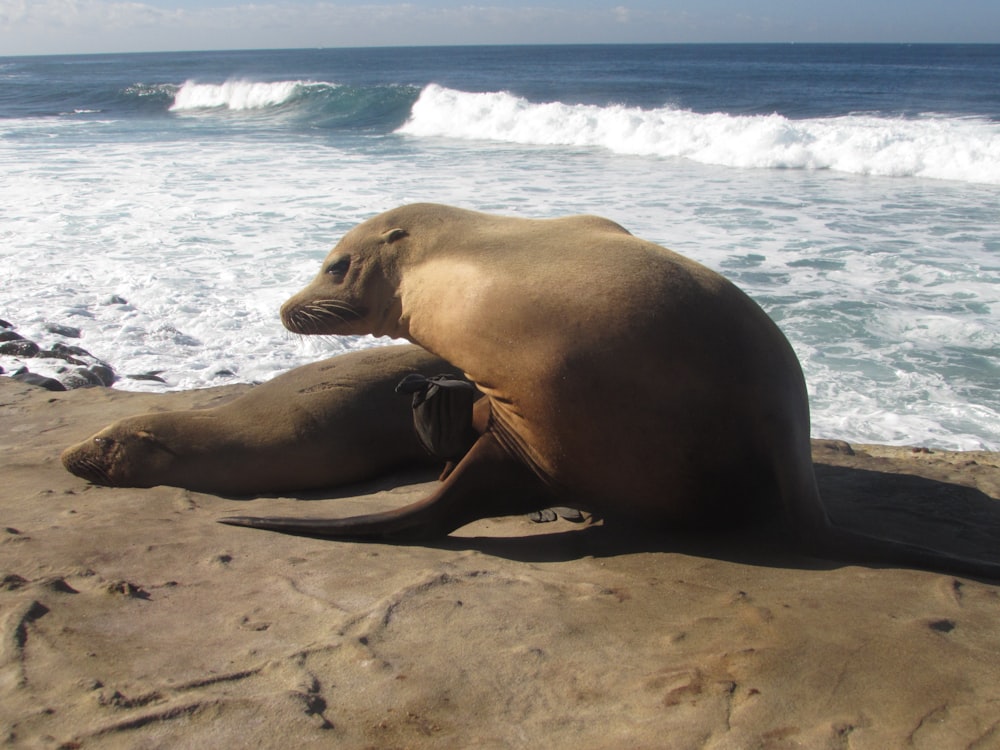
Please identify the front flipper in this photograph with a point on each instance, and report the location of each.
(486, 482)
(481, 416)
(442, 413)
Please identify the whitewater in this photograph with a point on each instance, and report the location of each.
(932, 146)
(169, 213)
(935, 147)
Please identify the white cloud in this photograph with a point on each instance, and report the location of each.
(43, 15)
(12, 11)
(79, 26)
(50, 26)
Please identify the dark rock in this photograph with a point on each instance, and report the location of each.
(114, 299)
(104, 373)
(833, 446)
(61, 330)
(81, 377)
(41, 381)
(942, 626)
(75, 351)
(19, 348)
(146, 376)
(74, 355)
(12, 582)
(88, 371)
(55, 354)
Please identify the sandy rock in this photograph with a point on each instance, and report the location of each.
(128, 618)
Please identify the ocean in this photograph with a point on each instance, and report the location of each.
(165, 205)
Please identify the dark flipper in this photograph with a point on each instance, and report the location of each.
(481, 415)
(548, 515)
(816, 535)
(837, 543)
(442, 413)
(486, 482)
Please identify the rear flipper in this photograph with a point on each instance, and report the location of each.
(844, 544)
(817, 536)
(554, 514)
(486, 482)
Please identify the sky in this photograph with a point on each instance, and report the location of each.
(37, 27)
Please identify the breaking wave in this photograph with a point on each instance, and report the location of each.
(952, 148)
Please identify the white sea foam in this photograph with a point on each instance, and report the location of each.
(237, 94)
(966, 149)
(887, 288)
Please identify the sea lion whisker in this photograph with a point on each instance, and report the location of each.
(303, 322)
(314, 318)
(320, 315)
(88, 467)
(342, 310)
(98, 470)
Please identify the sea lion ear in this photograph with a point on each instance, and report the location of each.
(394, 234)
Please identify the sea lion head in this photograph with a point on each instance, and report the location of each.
(125, 454)
(355, 291)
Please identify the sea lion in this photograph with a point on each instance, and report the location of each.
(619, 377)
(320, 425)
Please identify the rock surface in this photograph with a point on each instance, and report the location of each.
(129, 618)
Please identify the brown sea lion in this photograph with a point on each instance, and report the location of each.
(321, 425)
(620, 377)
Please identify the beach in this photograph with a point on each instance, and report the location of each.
(131, 619)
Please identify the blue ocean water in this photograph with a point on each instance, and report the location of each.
(852, 190)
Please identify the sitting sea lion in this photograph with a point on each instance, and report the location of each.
(320, 425)
(619, 377)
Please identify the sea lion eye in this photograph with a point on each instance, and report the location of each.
(339, 267)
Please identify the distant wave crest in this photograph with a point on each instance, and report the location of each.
(965, 149)
(240, 95)
(313, 104)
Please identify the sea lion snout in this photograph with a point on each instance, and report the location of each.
(318, 316)
(92, 459)
(123, 454)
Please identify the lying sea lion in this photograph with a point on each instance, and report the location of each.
(619, 377)
(321, 425)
